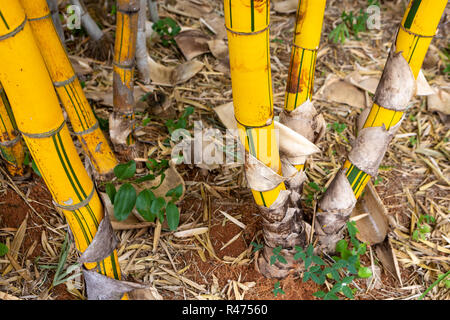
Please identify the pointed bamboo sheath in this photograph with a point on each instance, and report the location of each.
(11, 145)
(40, 120)
(414, 36)
(308, 28)
(68, 87)
(121, 120)
(247, 24)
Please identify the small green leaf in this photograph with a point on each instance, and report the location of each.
(111, 191)
(277, 250)
(282, 259)
(157, 205)
(310, 250)
(341, 245)
(319, 294)
(315, 269)
(364, 272)
(173, 216)
(308, 262)
(273, 259)
(3, 249)
(175, 192)
(143, 203)
(257, 246)
(317, 260)
(347, 292)
(148, 177)
(330, 296)
(125, 170)
(124, 201)
(306, 276)
(299, 255)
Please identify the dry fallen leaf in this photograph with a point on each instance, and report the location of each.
(192, 43)
(171, 76)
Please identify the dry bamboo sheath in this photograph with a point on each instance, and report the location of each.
(121, 120)
(394, 92)
(40, 120)
(68, 87)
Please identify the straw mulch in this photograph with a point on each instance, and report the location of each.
(211, 256)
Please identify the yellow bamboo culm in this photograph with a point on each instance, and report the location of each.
(247, 24)
(122, 118)
(68, 87)
(414, 36)
(302, 66)
(40, 120)
(11, 145)
(308, 29)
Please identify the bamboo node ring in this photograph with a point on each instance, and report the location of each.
(43, 135)
(87, 131)
(40, 18)
(248, 33)
(66, 82)
(77, 206)
(414, 34)
(15, 31)
(10, 143)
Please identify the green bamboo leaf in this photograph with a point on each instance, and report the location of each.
(173, 216)
(125, 170)
(124, 201)
(3, 249)
(111, 191)
(143, 203)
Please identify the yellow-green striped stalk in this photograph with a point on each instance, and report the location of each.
(394, 92)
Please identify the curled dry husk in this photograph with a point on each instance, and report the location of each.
(283, 223)
(306, 121)
(100, 287)
(396, 88)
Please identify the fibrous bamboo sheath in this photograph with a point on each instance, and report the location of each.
(247, 24)
(153, 10)
(40, 120)
(68, 87)
(142, 56)
(11, 146)
(121, 120)
(395, 90)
